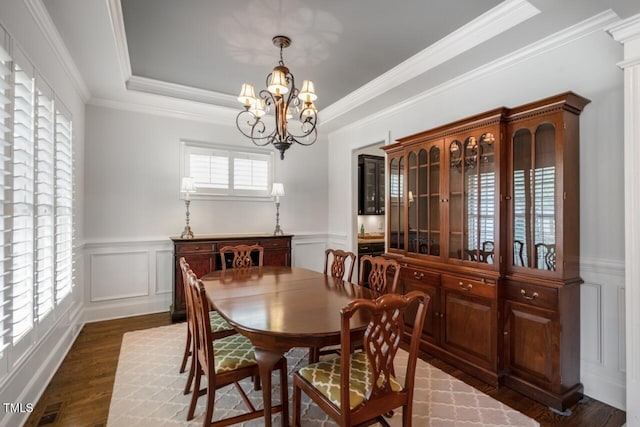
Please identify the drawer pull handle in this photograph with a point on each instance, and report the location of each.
(527, 297)
(465, 288)
(417, 275)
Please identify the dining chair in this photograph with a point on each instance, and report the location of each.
(219, 327)
(223, 362)
(361, 387)
(339, 263)
(375, 271)
(242, 256)
(335, 264)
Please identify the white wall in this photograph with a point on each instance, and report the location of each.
(587, 66)
(133, 205)
(24, 376)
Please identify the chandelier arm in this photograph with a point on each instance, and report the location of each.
(256, 126)
(314, 131)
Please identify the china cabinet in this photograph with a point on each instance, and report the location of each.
(484, 217)
(202, 253)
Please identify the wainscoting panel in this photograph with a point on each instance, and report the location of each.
(119, 275)
(308, 251)
(127, 278)
(164, 272)
(602, 336)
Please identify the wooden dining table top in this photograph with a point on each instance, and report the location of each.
(289, 305)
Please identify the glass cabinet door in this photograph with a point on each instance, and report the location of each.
(423, 200)
(396, 203)
(472, 198)
(534, 197)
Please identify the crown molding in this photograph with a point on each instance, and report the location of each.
(599, 22)
(51, 34)
(159, 87)
(117, 26)
(206, 114)
(497, 20)
(626, 30)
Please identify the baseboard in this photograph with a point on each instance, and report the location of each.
(126, 308)
(26, 384)
(605, 388)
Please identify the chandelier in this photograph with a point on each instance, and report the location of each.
(268, 118)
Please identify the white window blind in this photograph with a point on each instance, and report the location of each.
(218, 170)
(250, 172)
(44, 202)
(5, 160)
(36, 196)
(64, 207)
(23, 203)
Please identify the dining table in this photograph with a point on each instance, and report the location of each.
(279, 308)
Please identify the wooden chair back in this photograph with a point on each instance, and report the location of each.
(546, 256)
(339, 263)
(378, 274)
(367, 388)
(241, 256)
(381, 343)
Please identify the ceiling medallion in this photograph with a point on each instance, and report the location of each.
(269, 117)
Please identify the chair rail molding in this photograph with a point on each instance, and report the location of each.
(627, 32)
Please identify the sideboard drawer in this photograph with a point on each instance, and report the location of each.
(275, 243)
(195, 248)
(419, 275)
(526, 293)
(482, 287)
(236, 243)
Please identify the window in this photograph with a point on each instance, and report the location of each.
(221, 171)
(36, 272)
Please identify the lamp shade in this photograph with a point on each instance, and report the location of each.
(258, 108)
(308, 92)
(188, 185)
(247, 95)
(278, 83)
(277, 189)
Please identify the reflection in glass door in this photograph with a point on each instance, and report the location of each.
(472, 190)
(534, 198)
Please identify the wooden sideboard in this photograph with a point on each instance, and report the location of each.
(483, 215)
(203, 255)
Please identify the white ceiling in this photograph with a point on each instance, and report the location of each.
(361, 54)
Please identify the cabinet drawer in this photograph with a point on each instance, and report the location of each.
(539, 296)
(370, 248)
(479, 287)
(274, 243)
(236, 243)
(416, 275)
(195, 248)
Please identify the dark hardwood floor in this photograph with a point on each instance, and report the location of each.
(80, 392)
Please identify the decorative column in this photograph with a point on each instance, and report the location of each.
(627, 32)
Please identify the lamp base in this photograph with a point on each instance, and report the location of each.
(187, 233)
(278, 231)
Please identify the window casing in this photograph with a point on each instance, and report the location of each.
(220, 171)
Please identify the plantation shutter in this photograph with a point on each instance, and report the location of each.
(5, 158)
(44, 205)
(22, 259)
(63, 209)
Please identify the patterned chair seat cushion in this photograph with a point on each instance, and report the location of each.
(218, 324)
(325, 376)
(233, 352)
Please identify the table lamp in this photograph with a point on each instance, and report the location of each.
(187, 187)
(277, 190)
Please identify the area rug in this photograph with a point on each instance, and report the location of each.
(148, 391)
